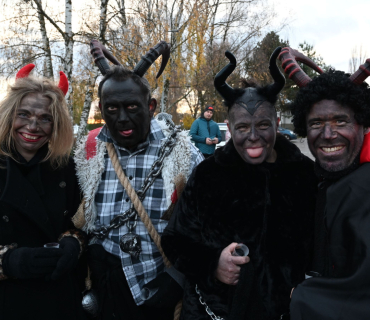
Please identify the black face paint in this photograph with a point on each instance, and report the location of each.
(333, 135)
(126, 111)
(250, 100)
(254, 135)
(33, 124)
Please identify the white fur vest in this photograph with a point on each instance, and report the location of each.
(90, 170)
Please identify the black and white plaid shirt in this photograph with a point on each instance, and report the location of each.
(111, 199)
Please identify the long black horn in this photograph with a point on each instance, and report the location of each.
(161, 48)
(101, 54)
(221, 86)
(279, 79)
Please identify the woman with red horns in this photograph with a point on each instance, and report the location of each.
(39, 249)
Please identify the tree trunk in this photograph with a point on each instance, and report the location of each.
(164, 98)
(48, 69)
(103, 20)
(68, 60)
(122, 10)
(94, 74)
(87, 103)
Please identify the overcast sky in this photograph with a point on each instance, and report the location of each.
(334, 27)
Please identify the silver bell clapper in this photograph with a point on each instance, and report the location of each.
(90, 302)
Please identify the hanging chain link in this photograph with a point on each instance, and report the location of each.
(208, 310)
(154, 172)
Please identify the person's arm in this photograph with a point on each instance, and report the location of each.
(332, 298)
(28, 263)
(228, 268)
(72, 241)
(219, 137)
(346, 296)
(194, 133)
(182, 241)
(3, 250)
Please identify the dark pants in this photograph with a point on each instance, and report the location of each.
(205, 155)
(116, 301)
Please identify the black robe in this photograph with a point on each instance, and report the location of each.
(346, 294)
(269, 207)
(36, 206)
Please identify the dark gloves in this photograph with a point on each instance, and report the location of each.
(26, 263)
(70, 248)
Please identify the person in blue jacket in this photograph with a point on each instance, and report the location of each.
(206, 133)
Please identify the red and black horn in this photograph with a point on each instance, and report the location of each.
(220, 84)
(279, 79)
(289, 58)
(161, 48)
(26, 70)
(361, 74)
(101, 54)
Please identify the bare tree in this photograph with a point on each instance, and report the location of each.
(94, 72)
(358, 57)
(199, 32)
(68, 37)
(48, 70)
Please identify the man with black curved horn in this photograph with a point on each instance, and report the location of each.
(268, 206)
(131, 172)
(333, 111)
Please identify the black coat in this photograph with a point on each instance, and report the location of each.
(345, 295)
(269, 207)
(36, 206)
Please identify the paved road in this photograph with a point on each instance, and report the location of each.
(303, 147)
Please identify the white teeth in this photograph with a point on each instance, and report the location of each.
(332, 149)
(29, 137)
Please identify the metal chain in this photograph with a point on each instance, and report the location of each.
(155, 171)
(208, 310)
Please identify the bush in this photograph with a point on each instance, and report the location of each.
(187, 121)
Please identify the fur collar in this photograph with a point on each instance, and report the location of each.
(89, 171)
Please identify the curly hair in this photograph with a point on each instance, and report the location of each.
(331, 85)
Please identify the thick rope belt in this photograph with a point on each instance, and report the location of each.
(136, 202)
(141, 212)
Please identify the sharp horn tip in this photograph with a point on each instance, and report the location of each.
(25, 71)
(230, 56)
(63, 82)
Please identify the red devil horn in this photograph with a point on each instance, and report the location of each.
(63, 82)
(362, 73)
(289, 58)
(25, 71)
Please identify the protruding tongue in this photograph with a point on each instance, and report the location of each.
(126, 132)
(255, 152)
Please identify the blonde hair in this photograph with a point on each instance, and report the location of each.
(61, 141)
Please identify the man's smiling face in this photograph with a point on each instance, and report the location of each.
(127, 111)
(333, 135)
